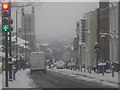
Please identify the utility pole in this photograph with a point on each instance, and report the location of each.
(25, 37)
(98, 47)
(16, 42)
(78, 47)
(6, 57)
(10, 58)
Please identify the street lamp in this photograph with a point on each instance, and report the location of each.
(82, 53)
(97, 49)
(104, 37)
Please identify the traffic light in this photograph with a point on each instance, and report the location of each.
(6, 19)
(5, 5)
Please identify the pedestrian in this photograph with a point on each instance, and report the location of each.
(94, 65)
(29, 64)
(23, 64)
(16, 65)
(94, 68)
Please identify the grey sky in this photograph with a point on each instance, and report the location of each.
(57, 20)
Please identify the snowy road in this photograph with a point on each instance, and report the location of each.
(57, 80)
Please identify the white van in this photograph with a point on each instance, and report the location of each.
(37, 62)
(60, 64)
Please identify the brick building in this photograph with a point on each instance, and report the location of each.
(104, 30)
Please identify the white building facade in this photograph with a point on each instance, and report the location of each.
(113, 33)
(90, 37)
(82, 41)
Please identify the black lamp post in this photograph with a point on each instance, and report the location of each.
(97, 49)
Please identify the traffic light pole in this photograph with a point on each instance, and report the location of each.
(10, 58)
(98, 13)
(6, 26)
(16, 41)
(6, 57)
(10, 54)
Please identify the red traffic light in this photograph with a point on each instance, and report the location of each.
(5, 13)
(5, 6)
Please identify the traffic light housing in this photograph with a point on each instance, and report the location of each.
(5, 5)
(6, 17)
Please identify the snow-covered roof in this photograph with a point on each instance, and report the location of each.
(37, 52)
(20, 41)
(80, 43)
(44, 44)
(115, 62)
(102, 64)
(24, 46)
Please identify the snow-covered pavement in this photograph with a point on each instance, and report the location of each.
(107, 79)
(22, 80)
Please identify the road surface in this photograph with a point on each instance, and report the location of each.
(53, 79)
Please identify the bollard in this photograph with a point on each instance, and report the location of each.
(10, 70)
(112, 71)
(103, 70)
(70, 67)
(90, 69)
(85, 69)
(13, 72)
(78, 68)
(97, 70)
(81, 68)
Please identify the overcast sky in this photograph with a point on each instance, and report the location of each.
(57, 20)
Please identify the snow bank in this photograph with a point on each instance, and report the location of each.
(22, 80)
(107, 79)
(101, 64)
(20, 40)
